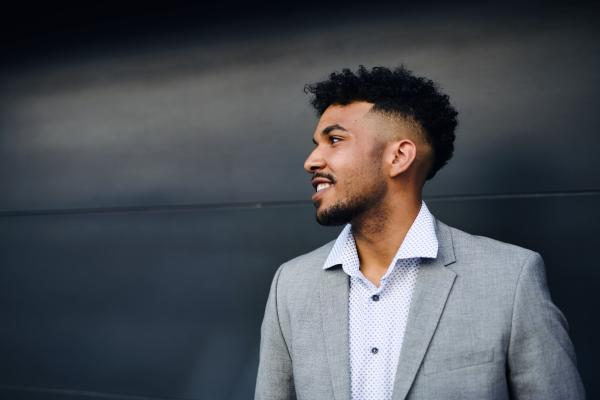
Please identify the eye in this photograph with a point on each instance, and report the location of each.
(334, 139)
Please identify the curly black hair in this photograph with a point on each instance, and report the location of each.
(396, 92)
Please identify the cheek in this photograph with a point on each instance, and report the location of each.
(358, 176)
(367, 177)
(357, 168)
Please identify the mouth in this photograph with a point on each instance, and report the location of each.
(321, 184)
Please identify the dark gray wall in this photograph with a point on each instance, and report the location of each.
(135, 258)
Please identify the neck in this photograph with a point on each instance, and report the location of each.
(379, 232)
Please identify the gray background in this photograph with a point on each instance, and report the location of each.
(152, 180)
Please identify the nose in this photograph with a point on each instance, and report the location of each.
(314, 162)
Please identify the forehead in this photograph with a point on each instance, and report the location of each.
(347, 116)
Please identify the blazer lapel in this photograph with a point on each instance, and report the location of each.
(334, 293)
(432, 288)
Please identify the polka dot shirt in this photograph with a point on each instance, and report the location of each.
(377, 316)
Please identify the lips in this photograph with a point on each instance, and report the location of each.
(321, 183)
(320, 179)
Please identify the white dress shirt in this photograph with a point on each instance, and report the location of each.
(378, 315)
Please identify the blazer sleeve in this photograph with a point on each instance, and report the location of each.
(275, 376)
(541, 359)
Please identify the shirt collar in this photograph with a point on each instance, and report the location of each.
(420, 242)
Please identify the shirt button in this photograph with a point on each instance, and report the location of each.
(374, 350)
(375, 298)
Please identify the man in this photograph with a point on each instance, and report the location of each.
(401, 306)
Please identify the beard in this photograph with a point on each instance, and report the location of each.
(345, 211)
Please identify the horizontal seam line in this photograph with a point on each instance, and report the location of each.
(511, 195)
(273, 204)
(85, 393)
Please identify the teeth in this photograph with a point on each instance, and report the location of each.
(322, 186)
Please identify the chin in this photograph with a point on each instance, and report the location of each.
(334, 215)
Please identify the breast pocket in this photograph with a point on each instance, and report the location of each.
(459, 361)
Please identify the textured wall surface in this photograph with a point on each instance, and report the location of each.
(152, 180)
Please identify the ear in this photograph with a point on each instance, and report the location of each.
(401, 156)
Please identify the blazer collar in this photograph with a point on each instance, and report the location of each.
(445, 244)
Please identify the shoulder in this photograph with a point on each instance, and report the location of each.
(473, 246)
(486, 253)
(306, 266)
(296, 282)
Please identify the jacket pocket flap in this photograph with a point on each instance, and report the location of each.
(460, 361)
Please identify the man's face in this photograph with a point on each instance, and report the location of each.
(346, 164)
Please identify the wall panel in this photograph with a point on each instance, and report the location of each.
(162, 304)
(170, 304)
(183, 118)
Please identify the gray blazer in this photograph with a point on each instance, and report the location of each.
(481, 326)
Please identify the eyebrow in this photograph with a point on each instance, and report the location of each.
(330, 128)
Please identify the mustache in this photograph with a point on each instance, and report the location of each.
(322, 175)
